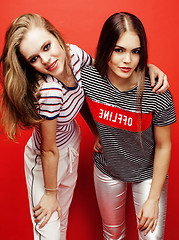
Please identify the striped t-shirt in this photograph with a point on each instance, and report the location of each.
(62, 102)
(115, 115)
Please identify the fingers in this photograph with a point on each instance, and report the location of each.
(162, 84)
(165, 85)
(147, 224)
(142, 224)
(40, 214)
(45, 221)
(152, 79)
(139, 214)
(154, 226)
(36, 208)
(97, 149)
(43, 214)
(147, 227)
(37, 214)
(97, 146)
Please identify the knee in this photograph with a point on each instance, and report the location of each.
(51, 231)
(114, 232)
(151, 236)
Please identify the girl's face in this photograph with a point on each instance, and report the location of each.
(43, 52)
(125, 57)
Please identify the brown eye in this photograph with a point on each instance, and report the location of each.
(136, 51)
(46, 47)
(32, 60)
(119, 50)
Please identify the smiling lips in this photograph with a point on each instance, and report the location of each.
(125, 69)
(53, 66)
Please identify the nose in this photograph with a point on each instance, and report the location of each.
(45, 58)
(127, 58)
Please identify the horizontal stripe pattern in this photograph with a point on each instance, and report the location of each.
(123, 155)
(62, 102)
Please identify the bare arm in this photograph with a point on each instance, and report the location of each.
(162, 84)
(148, 214)
(87, 116)
(50, 156)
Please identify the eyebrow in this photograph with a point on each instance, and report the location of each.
(29, 58)
(125, 48)
(34, 55)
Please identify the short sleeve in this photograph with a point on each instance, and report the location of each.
(84, 58)
(165, 111)
(50, 101)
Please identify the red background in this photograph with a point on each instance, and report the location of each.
(80, 22)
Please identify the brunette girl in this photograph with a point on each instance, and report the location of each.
(134, 127)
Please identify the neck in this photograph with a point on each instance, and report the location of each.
(67, 78)
(124, 84)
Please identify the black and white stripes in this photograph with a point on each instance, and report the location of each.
(123, 155)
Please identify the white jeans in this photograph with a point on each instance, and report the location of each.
(56, 228)
(111, 197)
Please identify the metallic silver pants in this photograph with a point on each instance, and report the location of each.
(111, 197)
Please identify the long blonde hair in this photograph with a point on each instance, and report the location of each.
(20, 80)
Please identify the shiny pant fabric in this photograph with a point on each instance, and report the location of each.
(56, 227)
(111, 197)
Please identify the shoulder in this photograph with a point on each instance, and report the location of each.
(147, 85)
(50, 85)
(77, 54)
(89, 73)
(74, 50)
(163, 97)
(90, 70)
(90, 76)
(73, 47)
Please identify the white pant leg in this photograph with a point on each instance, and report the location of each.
(67, 184)
(35, 187)
(111, 197)
(140, 194)
(55, 229)
(65, 195)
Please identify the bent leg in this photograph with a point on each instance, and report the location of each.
(35, 187)
(111, 197)
(65, 194)
(68, 181)
(55, 229)
(140, 194)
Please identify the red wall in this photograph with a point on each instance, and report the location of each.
(80, 22)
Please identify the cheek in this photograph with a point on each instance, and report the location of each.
(115, 61)
(110, 65)
(37, 67)
(136, 60)
(59, 51)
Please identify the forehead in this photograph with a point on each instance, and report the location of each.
(129, 40)
(33, 40)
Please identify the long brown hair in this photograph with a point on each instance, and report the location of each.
(112, 30)
(19, 98)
